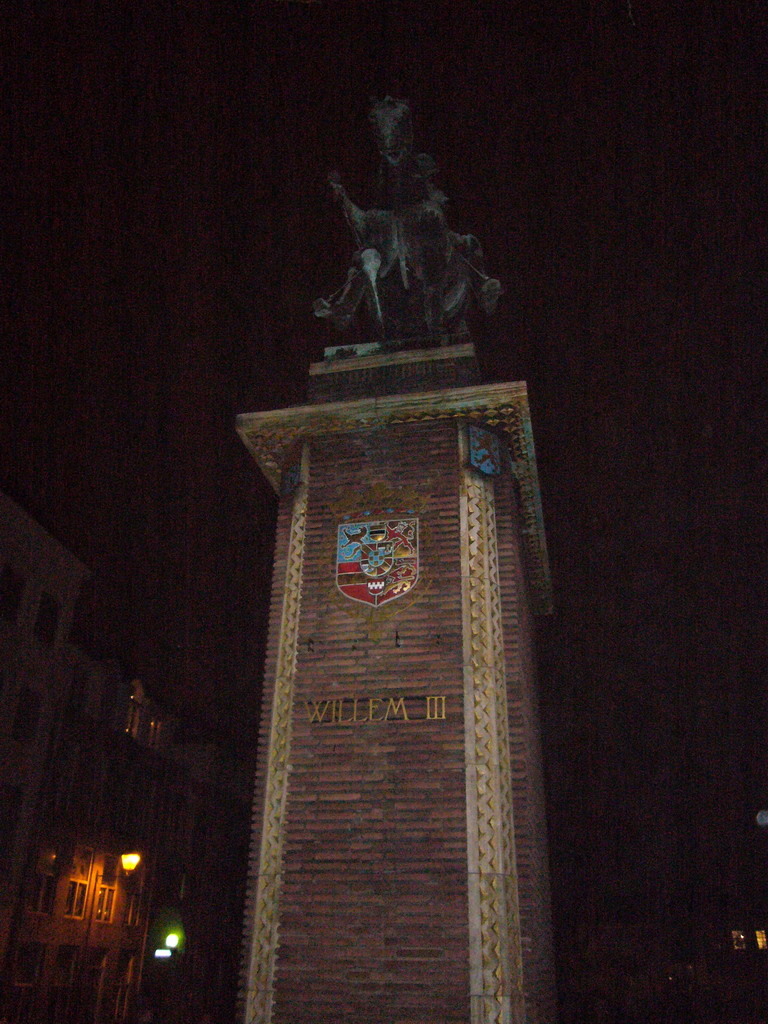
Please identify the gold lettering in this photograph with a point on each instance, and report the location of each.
(354, 714)
(316, 709)
(393, 707)
(371, 702)
(341, 719)
(435, 708)
(366, 710)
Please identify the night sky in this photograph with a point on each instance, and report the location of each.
(167, 227)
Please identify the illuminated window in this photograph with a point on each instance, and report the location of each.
(739, 940)
(760, 938)
(74, 905)
(104, 903)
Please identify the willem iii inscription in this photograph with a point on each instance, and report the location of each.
(370, 710)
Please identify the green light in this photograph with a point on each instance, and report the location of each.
(172, 940)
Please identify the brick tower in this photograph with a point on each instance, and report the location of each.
(399, 863)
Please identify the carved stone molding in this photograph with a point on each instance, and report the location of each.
(264, 942)
(496, 990)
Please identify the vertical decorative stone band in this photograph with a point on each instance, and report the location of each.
(496, 991)
(261, 964)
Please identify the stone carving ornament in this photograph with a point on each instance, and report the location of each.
(415, 274)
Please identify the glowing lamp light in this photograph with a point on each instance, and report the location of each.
(172, 940)
(162, 954)
(130, 861)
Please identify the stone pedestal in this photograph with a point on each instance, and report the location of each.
(399, 864)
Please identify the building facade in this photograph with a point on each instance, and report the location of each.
(39, 584)
(118, 836)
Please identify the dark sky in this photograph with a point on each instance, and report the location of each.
(168, 225)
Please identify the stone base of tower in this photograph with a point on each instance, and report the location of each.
(399, 863)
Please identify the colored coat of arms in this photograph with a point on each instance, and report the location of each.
(377, 562)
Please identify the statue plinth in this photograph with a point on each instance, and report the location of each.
(399, 866)
(363, 371)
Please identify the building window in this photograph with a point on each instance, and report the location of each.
(132, 909)
(42, 887)
(109, 874)
(82, 860)
(62, 993)
(105, 901)
(29, 962)
(42, 893)
(66, 967)
(27, 715)
(74, 905)
(47, 620)
(93, 973)
(739, 940)
(760, 939)
(126, 970)
(11, 592)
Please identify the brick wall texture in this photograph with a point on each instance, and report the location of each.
(373, 915)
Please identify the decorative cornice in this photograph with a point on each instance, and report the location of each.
(342, 364)
(271, 437)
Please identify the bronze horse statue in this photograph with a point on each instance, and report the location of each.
(415, 274)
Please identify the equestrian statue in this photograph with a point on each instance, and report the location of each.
(415, 274)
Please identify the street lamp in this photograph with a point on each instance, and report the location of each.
(130, 861)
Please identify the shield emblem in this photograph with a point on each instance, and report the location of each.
(377, 562)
